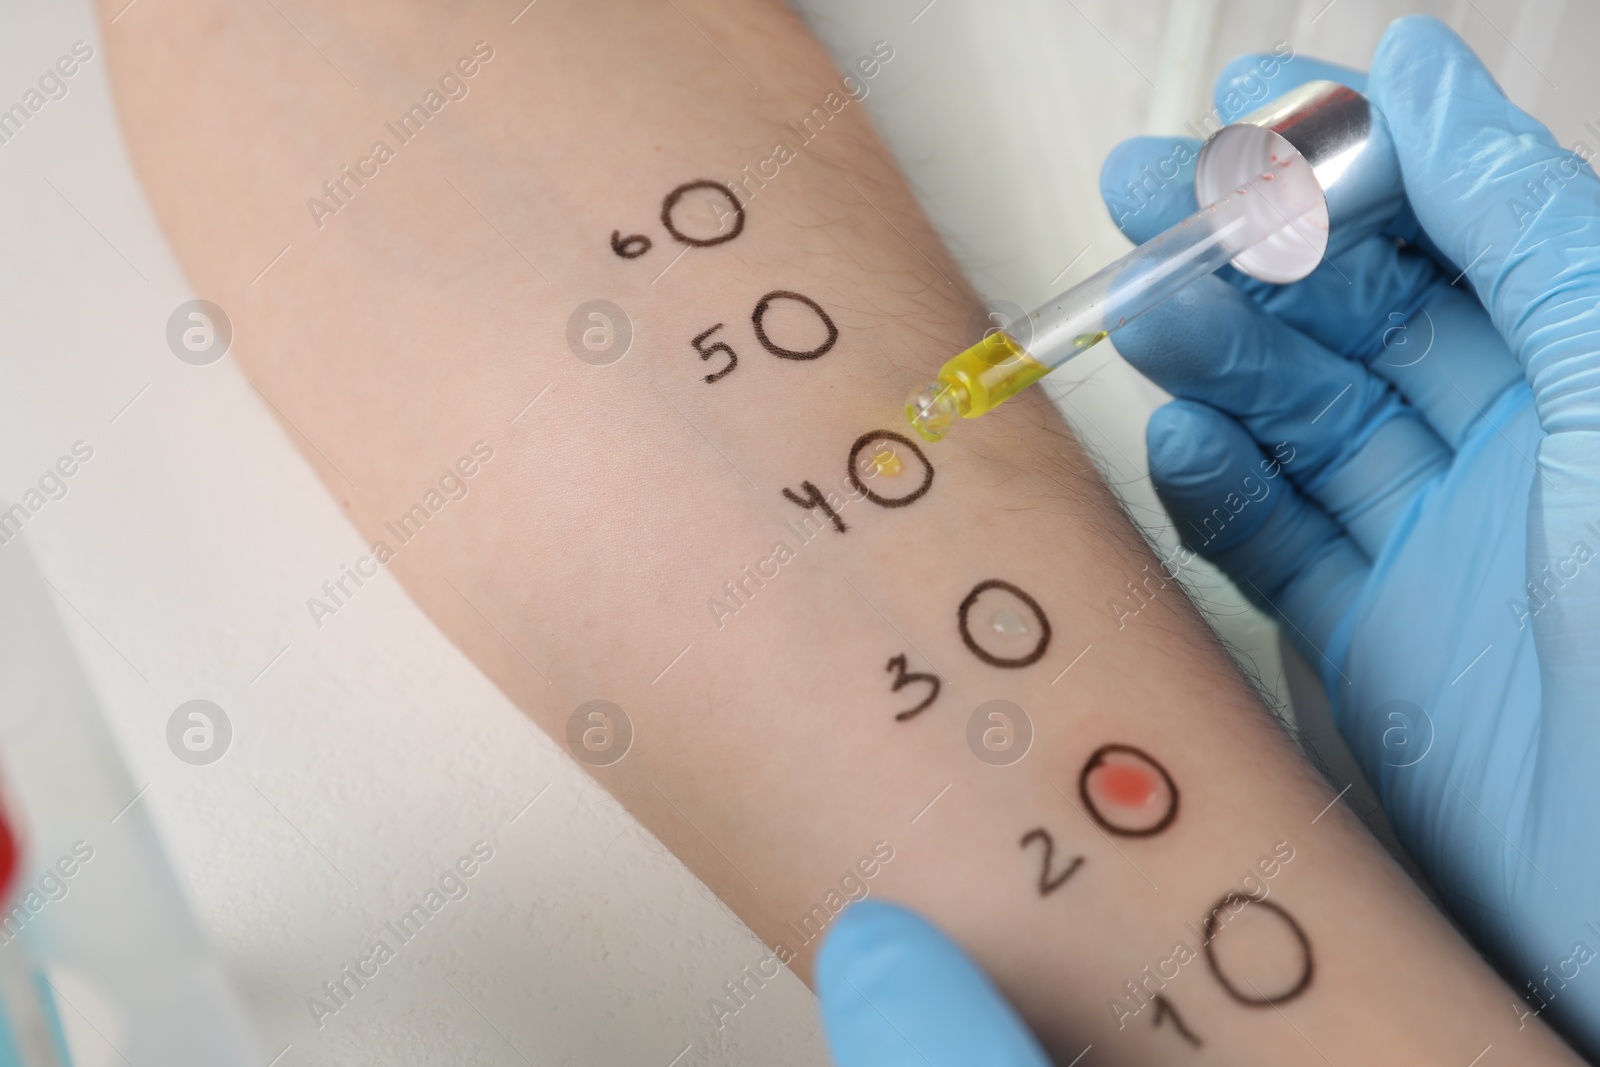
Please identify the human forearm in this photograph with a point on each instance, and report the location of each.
(426, 308)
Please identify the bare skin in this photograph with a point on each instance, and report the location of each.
(430, 310)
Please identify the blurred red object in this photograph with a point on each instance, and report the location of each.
(8, 856)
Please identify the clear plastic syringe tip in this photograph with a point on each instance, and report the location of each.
(933, 408)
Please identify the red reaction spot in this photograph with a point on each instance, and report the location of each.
(1125, 785)
(1127, 792)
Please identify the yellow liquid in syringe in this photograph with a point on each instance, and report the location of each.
(978, 380)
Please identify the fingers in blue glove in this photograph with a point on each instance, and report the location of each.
(1352, 444)
(896, 992)
(1233, 504)
(1389, 306)
(1506, 200)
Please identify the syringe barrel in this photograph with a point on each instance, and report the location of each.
(1305, 177)
(1282, 198)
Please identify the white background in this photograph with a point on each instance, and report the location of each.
(370, 754)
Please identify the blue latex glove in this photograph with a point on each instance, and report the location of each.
(1441, 448)
(895, 992)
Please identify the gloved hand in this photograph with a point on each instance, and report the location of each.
(1407, 471)
(895, 992)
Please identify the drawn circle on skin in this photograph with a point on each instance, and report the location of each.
(599, 733)
(989, 657)
(1256, 998)
(758, 316)
(893, 501)
(1119, 784)
(999, 732)
(671, 203)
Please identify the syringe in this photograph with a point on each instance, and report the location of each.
(1320, 149)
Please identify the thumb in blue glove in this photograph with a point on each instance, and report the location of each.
(895, 992)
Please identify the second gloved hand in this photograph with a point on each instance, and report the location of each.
(896, 992)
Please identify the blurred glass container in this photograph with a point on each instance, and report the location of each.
(101, 961)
